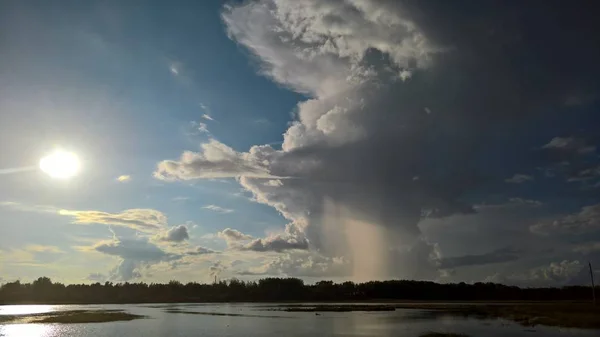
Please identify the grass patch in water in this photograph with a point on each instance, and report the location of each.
(442, 334)
(339, 308)
(211, 313)
(72, 317)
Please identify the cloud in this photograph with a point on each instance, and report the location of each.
(175, 68)
(135, 255)
(43, 249)
(569, 144)
(207, 117)
(199, 250)
(143, 220)
(519, 178)
(585, 221)
(96, 277)
(175, 234)
(124, 178)
(587, 248)
(276, 244)
(586, 175)
(32, 254)
(18, 206)
(216, 160)
(202, 128)
(566, 272)
(204, 107)
(233, 235)
(138, 249)
(302, 264)
(292, 238)
(217, 209)
(496, 256)
(394, 90)
(216, 269)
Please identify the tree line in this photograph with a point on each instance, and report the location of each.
(43, 290)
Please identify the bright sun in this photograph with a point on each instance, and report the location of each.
(60, 164)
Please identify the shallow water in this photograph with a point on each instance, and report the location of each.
(183, 320)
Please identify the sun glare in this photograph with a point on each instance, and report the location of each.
(60, 164)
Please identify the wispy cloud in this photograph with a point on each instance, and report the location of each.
(204, 107)
(124, 178)
(569, 144)
(207, 117)
(217, 209)
(175, 68)
(143, 220)
(518, 178)
(202, 128)
(28, 208)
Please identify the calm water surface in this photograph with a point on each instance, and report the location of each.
(255, 320)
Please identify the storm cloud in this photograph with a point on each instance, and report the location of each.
(404, 102)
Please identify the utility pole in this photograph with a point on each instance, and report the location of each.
(593, 286)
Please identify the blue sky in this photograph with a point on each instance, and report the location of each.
(334, 139)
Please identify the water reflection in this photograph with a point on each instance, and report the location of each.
(26, 330)
(25, 309)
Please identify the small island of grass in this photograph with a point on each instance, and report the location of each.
(72, 317)
(339, 308)
(442, 334)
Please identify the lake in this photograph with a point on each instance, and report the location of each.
(255, 319)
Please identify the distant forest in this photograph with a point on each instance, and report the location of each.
(43, 290)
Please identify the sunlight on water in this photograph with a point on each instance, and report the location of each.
(25, 309)
(26, 330)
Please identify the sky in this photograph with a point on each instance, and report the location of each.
(451, 141)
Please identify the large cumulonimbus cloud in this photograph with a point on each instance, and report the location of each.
(403, 99)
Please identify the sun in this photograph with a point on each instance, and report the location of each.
(60, 164)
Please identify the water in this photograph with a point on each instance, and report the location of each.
(251, 320)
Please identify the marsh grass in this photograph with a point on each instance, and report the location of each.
(72, 316)
(339, 308)
(443, 334)
(211, 313)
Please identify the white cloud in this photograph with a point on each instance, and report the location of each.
(207, 117)
(302, 264)
(233, 235)
(318, 47)
(124, 178)
(143, 220)
(175, 68)
(204, 107)
(218, 209)
(202, 128)
(216, 160)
